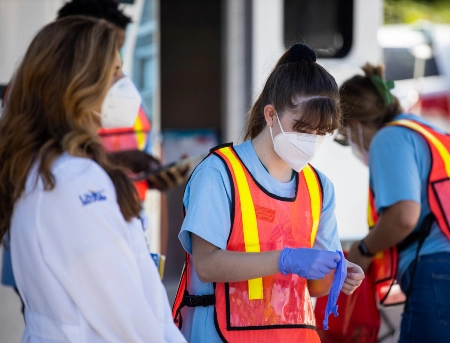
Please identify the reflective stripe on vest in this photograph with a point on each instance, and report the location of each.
(442, 150)
(316, 202)
(372, 215)
(250, 227)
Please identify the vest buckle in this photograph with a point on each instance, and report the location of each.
(199, 300)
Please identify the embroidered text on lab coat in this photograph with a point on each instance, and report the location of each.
(92, 196)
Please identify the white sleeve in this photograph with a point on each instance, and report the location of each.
(86, 243)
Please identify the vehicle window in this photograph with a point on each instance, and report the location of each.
(331, 36)
(399, 64)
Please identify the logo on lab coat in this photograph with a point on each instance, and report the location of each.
(93, 196)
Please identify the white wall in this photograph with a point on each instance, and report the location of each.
(20, 20)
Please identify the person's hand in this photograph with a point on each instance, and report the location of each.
(355, 275)
(311, 264)
(170, 177)
(135, 160)
(354, 255)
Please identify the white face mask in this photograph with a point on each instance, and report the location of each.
(358, 150)
(296, 149)
(121, 105)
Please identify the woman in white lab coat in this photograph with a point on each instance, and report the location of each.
(78, 252)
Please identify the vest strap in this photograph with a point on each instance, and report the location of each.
(199, 300)
(192, 301)
(425, 229)
(419, 235)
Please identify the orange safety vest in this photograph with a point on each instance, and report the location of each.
(275, 308)
(385, 263)
(129, 138)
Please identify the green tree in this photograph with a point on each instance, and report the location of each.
(408, 11)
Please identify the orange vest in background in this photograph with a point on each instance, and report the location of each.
(129, 138)
(275, 308)
(385, 263)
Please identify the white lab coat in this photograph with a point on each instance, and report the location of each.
(84, 273)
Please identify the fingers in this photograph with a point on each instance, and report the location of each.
(354, 266)
(352, 282)
(347, 289)
(354, 271)
(354, 278)
(350, 285)
(331, 259)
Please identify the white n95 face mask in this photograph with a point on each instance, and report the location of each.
(121, 105)
(358, 150)
(296, 149)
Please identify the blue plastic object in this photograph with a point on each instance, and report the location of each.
(339, 278)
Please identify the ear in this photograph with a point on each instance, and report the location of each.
(269, 114)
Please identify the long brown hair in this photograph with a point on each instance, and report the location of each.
(297, 74)
(63, 77)
(360, 99)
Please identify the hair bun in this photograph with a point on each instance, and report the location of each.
(299, 52)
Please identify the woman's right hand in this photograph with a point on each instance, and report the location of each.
(311, 264)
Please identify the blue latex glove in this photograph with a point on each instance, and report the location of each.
(339, 278)
(311, 264)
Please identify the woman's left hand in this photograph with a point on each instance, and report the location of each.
(355, 275)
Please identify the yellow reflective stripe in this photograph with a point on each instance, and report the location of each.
(445, 155)
(369, 215)
(314, 194)
(140, 135)
(249, 224)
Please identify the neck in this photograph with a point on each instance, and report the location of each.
(264, 149)
(368, 134)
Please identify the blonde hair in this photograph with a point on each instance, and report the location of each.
(64, 75)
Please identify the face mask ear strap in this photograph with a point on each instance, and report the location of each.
(279, 123)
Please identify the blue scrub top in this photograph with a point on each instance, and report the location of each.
(399, 164)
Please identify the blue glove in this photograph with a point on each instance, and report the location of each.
(311, 264)
(339, 278)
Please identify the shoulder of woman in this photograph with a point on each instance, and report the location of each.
(393, 133)
(72, 172)
(323, 179)
(211, 162)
